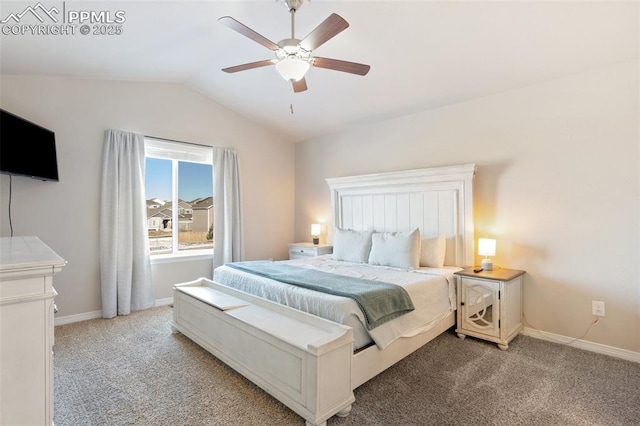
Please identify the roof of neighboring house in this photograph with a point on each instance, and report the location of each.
(162, 209)
(204, 203)
(161, 213)
(155, 203)
(165, 213)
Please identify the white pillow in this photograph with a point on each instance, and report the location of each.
(432, 251)
(396, 249)
(351, 246)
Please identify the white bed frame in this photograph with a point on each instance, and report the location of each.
(437, 200)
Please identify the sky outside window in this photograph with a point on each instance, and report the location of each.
(194, 180)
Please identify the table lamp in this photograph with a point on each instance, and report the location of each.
(487, 247)
(316, 229)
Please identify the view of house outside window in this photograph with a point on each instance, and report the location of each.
(179, 206)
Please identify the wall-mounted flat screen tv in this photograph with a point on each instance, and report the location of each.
(26, 149)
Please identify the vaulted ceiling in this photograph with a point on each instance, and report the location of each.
(423, 54)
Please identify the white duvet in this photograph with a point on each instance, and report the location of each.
(432, 291)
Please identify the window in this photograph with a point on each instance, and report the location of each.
(179, 195)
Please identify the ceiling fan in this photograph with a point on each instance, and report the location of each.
(293, 56)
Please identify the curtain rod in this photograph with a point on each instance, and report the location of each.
(173, 140)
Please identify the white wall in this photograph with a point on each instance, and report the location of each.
(558, 182)
(558, 185)
(65, 215)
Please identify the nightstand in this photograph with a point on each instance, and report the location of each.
(490, 305)
(303, 250)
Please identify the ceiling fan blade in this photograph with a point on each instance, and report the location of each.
(235, 25)
(338, 65)
(329, 28)
(250, 65)
(300, 85)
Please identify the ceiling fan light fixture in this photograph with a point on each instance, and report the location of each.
(293, 56)
(292, 68)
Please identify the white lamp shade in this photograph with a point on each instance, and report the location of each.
(292, 68)
(316, 229)
(486, 247)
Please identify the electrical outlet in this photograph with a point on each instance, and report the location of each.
(597, 308)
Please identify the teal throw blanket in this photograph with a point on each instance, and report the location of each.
(379, 301)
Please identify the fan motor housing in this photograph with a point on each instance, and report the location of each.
(291, 47)
(293, 4)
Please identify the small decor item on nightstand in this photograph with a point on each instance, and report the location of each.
(487, 247)
(316, 229)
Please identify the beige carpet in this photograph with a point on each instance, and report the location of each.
(133, 371)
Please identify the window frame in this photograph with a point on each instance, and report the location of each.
(176, 152)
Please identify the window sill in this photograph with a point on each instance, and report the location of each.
(186, 257)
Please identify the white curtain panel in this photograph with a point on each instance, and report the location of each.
(125, 266)
(228, 238)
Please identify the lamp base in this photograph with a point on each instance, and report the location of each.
(487, 264)
(316, 240)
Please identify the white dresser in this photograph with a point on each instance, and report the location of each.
(27, 266)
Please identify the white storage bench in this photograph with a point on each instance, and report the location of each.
(302, 360)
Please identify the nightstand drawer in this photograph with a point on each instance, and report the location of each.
(303, 250)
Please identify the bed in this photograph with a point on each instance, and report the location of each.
(435, 203)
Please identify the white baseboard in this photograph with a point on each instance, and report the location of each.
(583, 344)
(68, 319)
(164, 302)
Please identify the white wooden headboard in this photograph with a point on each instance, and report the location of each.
(437, 200)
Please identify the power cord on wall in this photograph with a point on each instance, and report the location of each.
(595, 321)
(10, 221)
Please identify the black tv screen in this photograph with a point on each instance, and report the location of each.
(26, 149)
